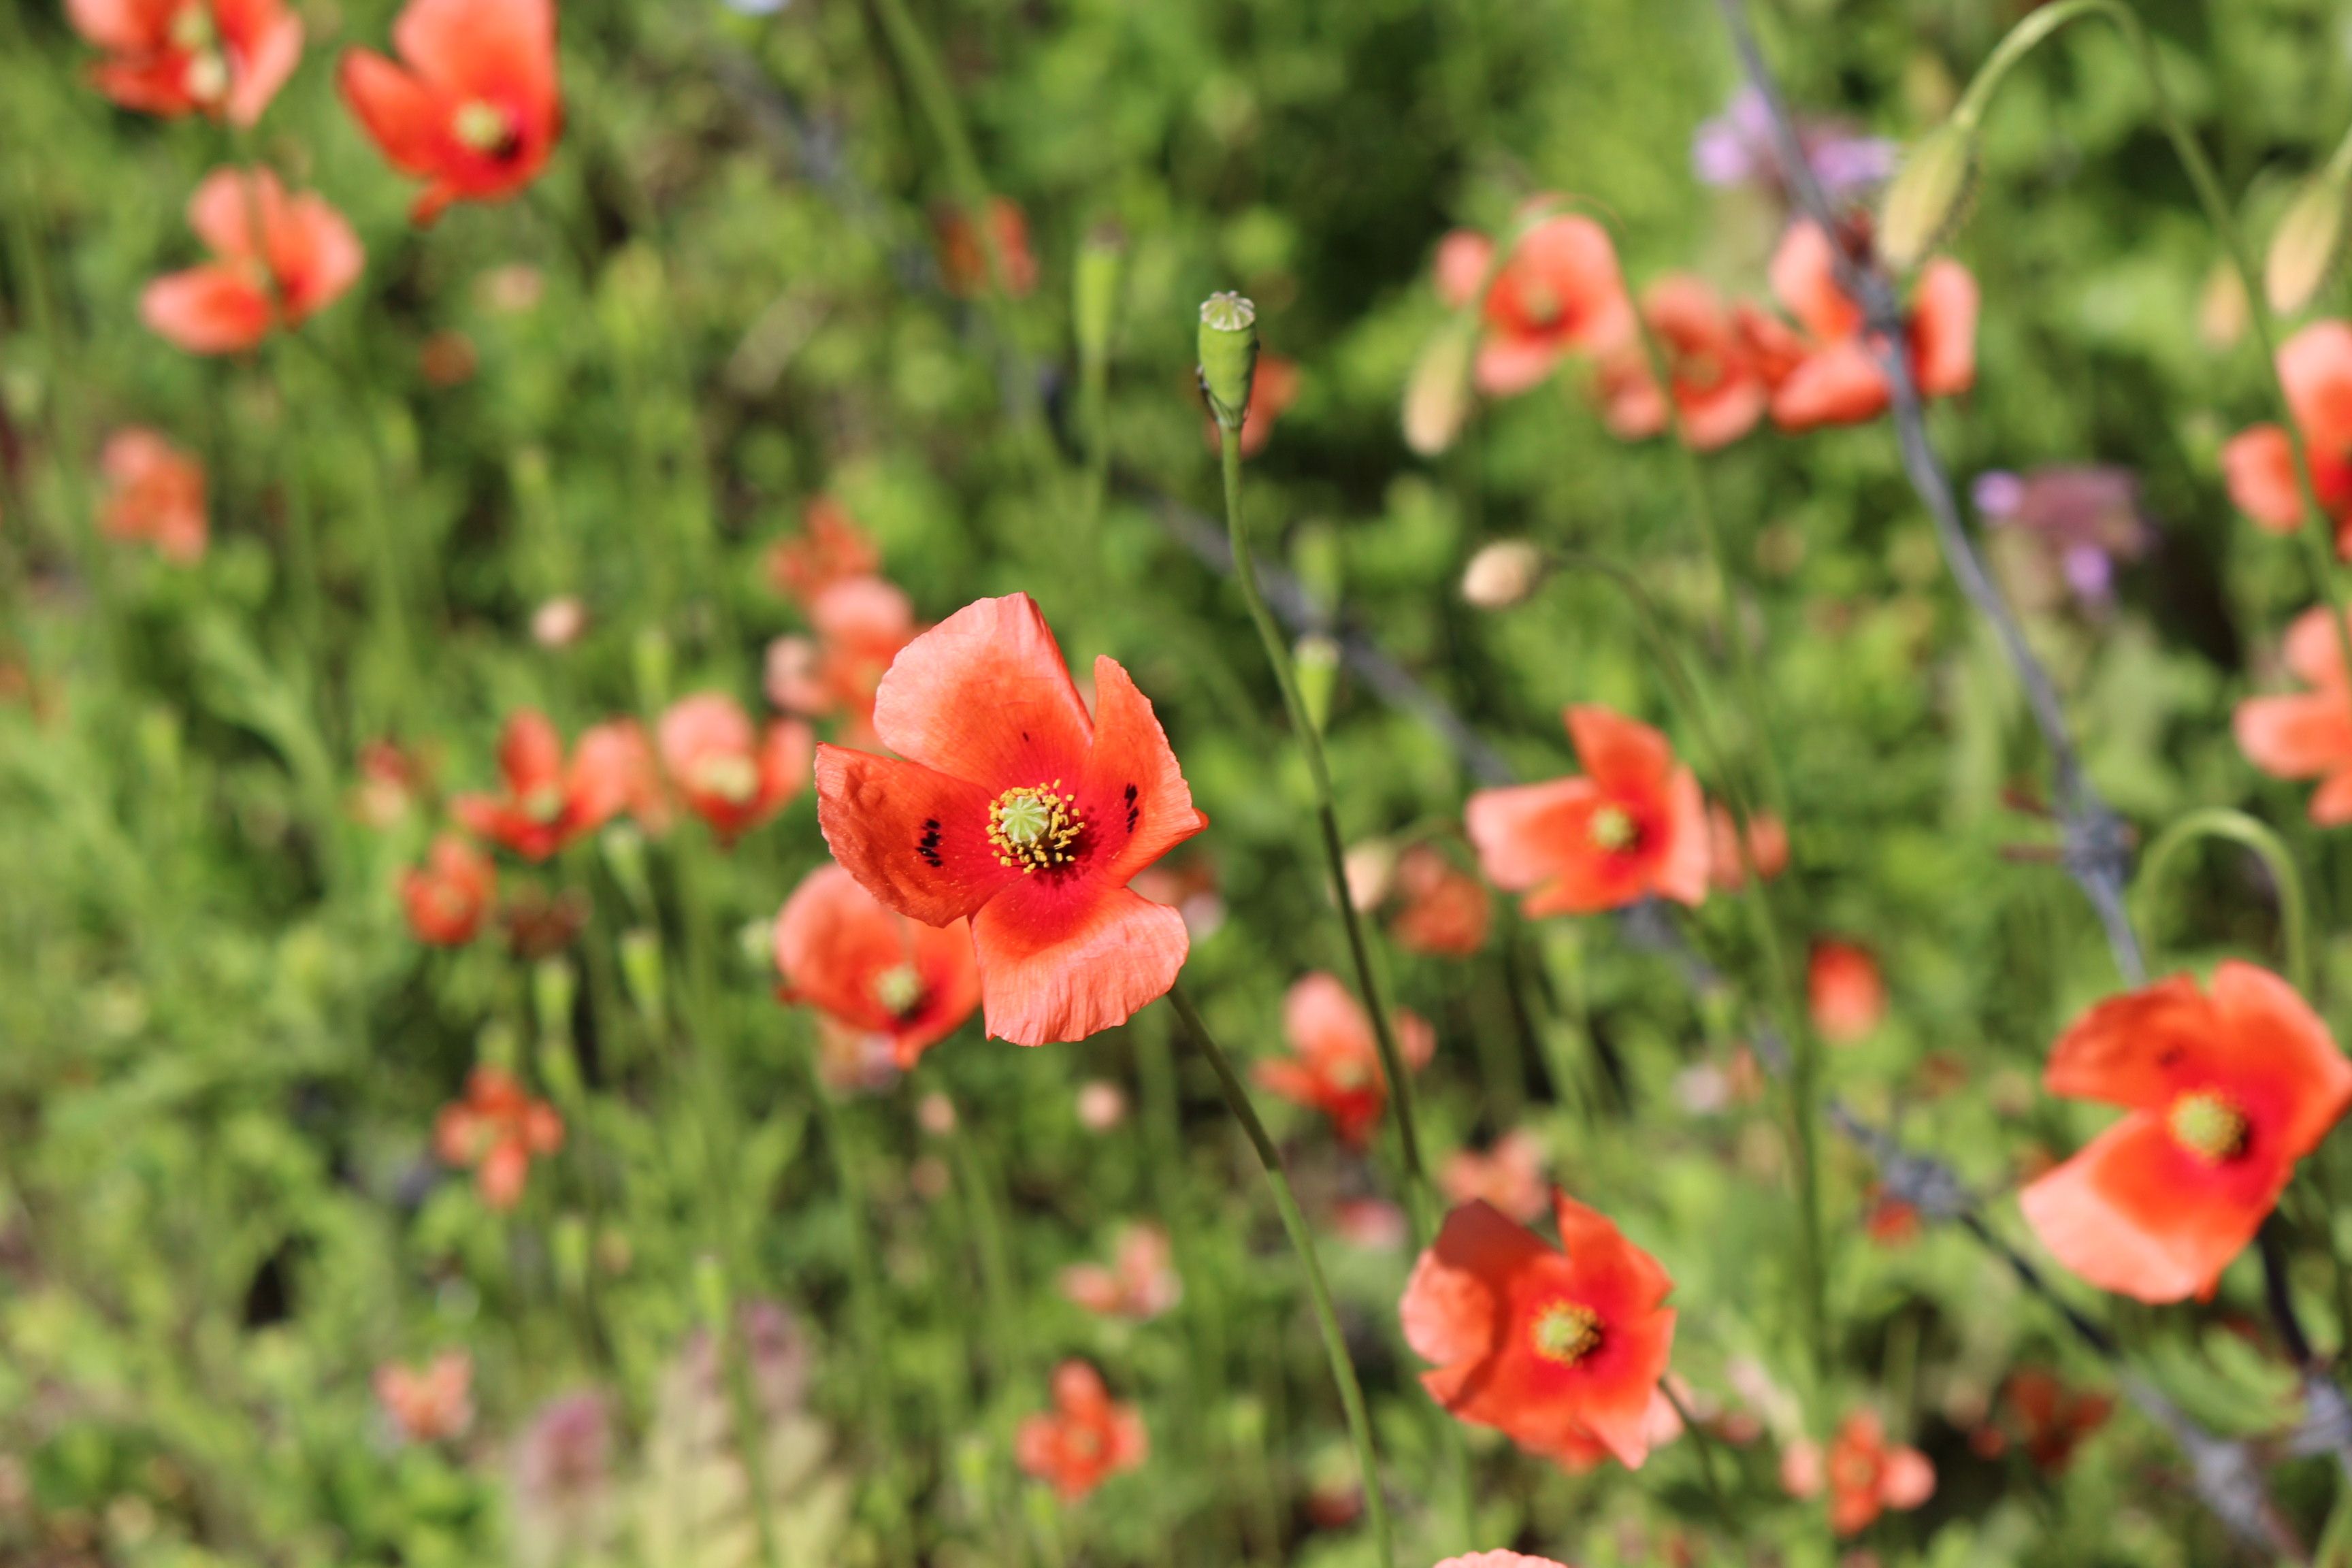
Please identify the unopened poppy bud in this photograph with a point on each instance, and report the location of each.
(2222, 307)
(2305, 245)
(1437, 397)
(641, 970)
(553, 987)
(936, 1113)
(1095, 291)
(1370, 870)
(711, 1293)
(1228, 349)
(1502, 575)
(1929, 195)
(1317, 658)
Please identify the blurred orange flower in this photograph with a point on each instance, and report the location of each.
(277, 260)
(472, 106)
(1084, 1439)
(448, 895)
(964, 262)
(2316, 364)
(154, 492)
(1828, 373)
(547, 804)
(730, 774)
(2306, 734)
(870, 968)
(1139, 1283)
(430, 1404)
(861, 623)
(1717, 386)
(1865, 1475)
(1509, 1175)
(497, 1130)
(225, 59)
(1335, 1061)
(1768, 848)
(1844, 991)
(1559, 291)
(1446, 910)
(830, 548)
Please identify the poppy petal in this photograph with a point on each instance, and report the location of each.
(834, 939)
(2331, 803)
(2139, 1050)
(125, 27)
(1507, 366)
(1689, 856)
(480, 47)
(985, 696)
(2137, 1213)
(917, 838)
(1131, 789)
(407, 120)
(316, 255)
(1839, 384)
(2299, 1060)
(2313, 651)
(1518, 830)
(1453, 1305)
(269, 59)
(1804, 278)
(1944, 330)
(212, 310)
(2259, 465)
(1321, 1017)
(2297, 736)
(2315, 367)
(1623, 756)
(1057, 968)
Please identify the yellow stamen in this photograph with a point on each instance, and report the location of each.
(1565, 1332)
(1034, 828)
(1612, 828)
(2207, 1126)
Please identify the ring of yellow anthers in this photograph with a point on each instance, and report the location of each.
(1565, 1332)
(2209, 1126)
(1613, 829)
(1033, 828)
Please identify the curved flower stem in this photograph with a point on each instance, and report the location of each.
(1705, 1446)
(1421, 1199)
(2318, 536)
(1335, 1343)
(2221, 821)
(1804, 1067)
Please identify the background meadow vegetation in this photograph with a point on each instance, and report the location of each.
(223, 1050)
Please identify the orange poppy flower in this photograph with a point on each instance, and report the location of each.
(448, 895)
(1865, 1477)
(1509, 1175)
(1633, 826)
(1016, 810)
(2306, 734)
(1827, 374)
(1768, 848)
(547, 805)
(731, 777)
(861, 623)
(430, 1404)
(154, 492)
(1084, 1439)
(1140, 1284)
(1553, 1348)
(225, 59)
(830, 548)
(1335, 1061)
(871, 968)
(1843, 991)
(1558, 293)
(497, 1130)
(2226, 1092)
(964, 263)
(277, 261)
(1717, 384)
(1445, 911)
(2316, 364)
(472, 106)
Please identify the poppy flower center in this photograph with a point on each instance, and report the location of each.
(482, 127)
(193, 28)
(899, 989)
(2207, 1126)
(1033, 828)
(1542, 304)
(1613, 829)
(207, 76)
(731, 778)
(1565, 1332)
(544, 804)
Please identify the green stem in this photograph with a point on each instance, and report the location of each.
(1335, 1345)
(1705, 1447)
(2236, 826)
(1310, 740)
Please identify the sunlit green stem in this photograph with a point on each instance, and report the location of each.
(1422, 1200)
(2237, 827)
(1335, 1343)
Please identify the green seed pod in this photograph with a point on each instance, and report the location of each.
(2306, 246)
(1095, 291)
(1928, 197)
(1228, 347)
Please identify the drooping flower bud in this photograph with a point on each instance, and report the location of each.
(2307, 244)
(1929, 195)
(1228, 350)
(1437, 397)
(1095, 291)
(1502, 575)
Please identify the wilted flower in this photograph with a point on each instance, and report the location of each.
(154, 492)
(225, 59)
(1084, 1439)
(1865, 1475)
(1335, 1060)
(428, 1404)
(1736, 148)
(2085, 518)
(1139, 1283)
(497, 1130)
(277, 260)
(472, 106)
(449, 894)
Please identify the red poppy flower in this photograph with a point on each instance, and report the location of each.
(731, 777)
(226, 58)
(1827, 374)
(1084, 1439)
(1552, 1348)
(2226, 1092)
(1559, 292)
(1865, 1477)
(547, 805)
(449, 894)
(497, 1130)
(830, 548)
(154, 492)
(1717, 384)
(964, 263)
(2306, 734)
(1273, 389)
(1335, 1061)
(871, 968)
(472, 106)
(861, 623)
(430, 1404)
(1444, 911)
(1842, 990)
(1509, 1176)
(1140, 1284)
(2316, 364)
(1633, 826)
(277, 261)
(1768, 848)
(1015, 809)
